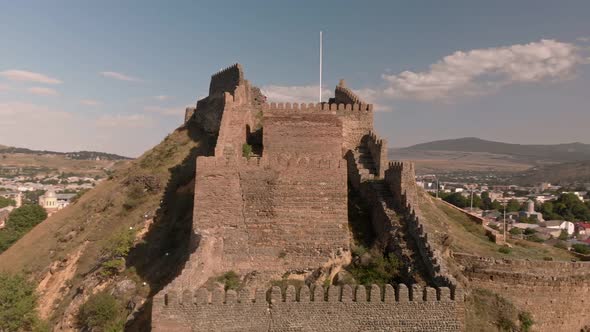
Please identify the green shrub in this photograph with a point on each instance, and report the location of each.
(581, 248)
(529, 231)
(515, 231)
(526, 321)
(246, 150)
(18, 303)
(102, 312)
(560, 245)
(112, 267)
(230, 280)
(505, 250)
(119, 244)
(534, 238)
(380, 270)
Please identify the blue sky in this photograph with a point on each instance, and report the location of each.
(116, 75)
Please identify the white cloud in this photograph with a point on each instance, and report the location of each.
(161, 97)
(583, 39)
(167, 111)
(90, 102)
(295, 94)
(28, 76)
(41, 91)
(375, 97)
(480, 71)
(120, 76)
(125, 121)
(4, 87)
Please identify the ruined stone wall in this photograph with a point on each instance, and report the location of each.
(226, 80)
(272, 214)
(338, 309)
(378, 149)
(555, 293)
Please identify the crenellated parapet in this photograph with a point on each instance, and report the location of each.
(378, 150)
(337, 308)
(374, 294)
(226, 80)
(401, 180)
(342, 94)
(317, 107)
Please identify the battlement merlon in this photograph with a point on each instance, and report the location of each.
(344, 95)
(360, 294)
(317, 107)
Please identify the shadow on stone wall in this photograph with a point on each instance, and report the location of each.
(166, 246)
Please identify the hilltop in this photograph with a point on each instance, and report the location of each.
(531, 153)
(527, 164)
(77, 155)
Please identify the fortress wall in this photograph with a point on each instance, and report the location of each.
(208, 114)
(401, 180)
(355, 125)
(555, 293)
(378, 149)
(357, 119)
(343, 95)
(226, 80)
(305, 133)
(337, 309)
(271, 214)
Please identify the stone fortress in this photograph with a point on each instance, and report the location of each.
(283, 208)
(272, 200)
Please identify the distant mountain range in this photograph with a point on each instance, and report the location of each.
(79, 155)
(568, 152)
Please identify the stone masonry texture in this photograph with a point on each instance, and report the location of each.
(284, 209)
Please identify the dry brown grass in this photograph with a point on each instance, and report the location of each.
(469, 237)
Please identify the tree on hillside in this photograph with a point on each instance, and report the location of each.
(513, 206)
(18, 303)
(566, 207)
(19, 222)
(4, 202)
(456, 199)
(25, 218)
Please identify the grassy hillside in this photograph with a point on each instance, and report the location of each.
(78, 155)
(459, 233)
(51, 164)
(151, 197)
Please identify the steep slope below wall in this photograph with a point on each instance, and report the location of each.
(153, 196)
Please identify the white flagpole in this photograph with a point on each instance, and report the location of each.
(320, 66)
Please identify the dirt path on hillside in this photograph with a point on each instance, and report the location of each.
(54, 285)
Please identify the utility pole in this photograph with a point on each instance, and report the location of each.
(436, 179)
(471, 187)
(504, 222)
(320, 66)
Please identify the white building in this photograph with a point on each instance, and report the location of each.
(560, 224)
